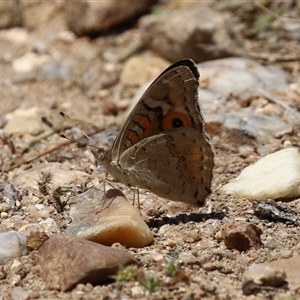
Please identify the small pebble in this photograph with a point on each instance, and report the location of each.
(259, 275)
(242, 236)
(18, 293)
(12, 245)
(187, 258)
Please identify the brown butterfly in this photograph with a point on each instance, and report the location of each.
(162, 145)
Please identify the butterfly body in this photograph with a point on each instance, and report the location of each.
(162, 145)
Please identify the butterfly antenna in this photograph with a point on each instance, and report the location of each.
(76, 126)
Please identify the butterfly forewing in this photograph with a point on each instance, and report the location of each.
(172, 95)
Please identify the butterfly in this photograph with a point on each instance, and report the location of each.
(162, 146)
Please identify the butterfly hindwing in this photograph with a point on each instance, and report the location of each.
(181, 170)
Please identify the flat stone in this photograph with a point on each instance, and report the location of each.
(241, 77)
(254, 130)
(65, 261)
(260, 127)
(168, 34)
(60, 176)
(108, 220)
(16, 36)
(25, 121)
(274, 176)
(89, 17)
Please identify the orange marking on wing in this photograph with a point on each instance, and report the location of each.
(147, 128)
(195, 156)
(132, 137)
(192, 155)
(171, 115)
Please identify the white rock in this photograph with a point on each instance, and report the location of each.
(187, 258)
(18, 36)
(24, 121)
(66, 36)
(50, 226)
(287, 27)
(59, 70)
(221, 77)
(274, 176)
(29, 62)
(18, 293)
(12, 245)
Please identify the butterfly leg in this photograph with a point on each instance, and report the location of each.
(106, 202)
(109, 181)
(136, 191)
(104, 182)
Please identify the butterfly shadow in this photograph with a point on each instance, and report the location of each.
(185, 218)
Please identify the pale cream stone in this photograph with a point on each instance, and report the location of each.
(274, 176)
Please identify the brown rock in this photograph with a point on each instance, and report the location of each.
(10, 13)
(214, 124)
(197, 32)
(90, 17)
(66, 261)
(242, 236)
(140, 69)
(36, 239)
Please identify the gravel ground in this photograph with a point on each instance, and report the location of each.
(188, 259)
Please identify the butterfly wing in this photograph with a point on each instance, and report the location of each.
(180, 171)
(162, 145)
(171, 101)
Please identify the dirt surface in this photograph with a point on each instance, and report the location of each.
(188, 237)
